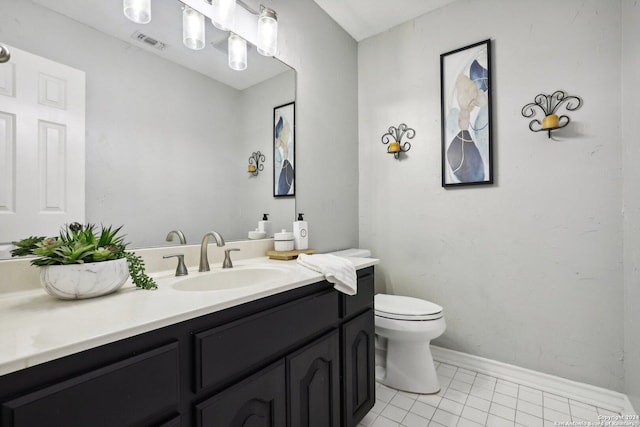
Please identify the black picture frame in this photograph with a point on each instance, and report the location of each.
(466, 115)
(284, 153)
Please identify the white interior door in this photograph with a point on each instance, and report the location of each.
(42, 146)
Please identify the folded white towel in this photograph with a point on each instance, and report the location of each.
(339, 271)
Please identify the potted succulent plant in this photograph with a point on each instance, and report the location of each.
(83, 262)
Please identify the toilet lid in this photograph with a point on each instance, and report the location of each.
(406, 308)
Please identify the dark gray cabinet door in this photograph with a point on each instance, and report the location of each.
(314, 383)
(258, 401)
(358, 349)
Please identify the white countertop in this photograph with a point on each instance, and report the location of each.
(37, 328)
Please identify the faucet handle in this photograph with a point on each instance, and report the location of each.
(227, 258)
(181, 270)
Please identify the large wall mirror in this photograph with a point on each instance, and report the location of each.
(168, 130)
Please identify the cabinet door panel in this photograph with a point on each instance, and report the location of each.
(314, 384)
(258, 401)
(358, 367)
(122, 394)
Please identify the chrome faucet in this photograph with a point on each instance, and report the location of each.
(180, 234)
(204, 259)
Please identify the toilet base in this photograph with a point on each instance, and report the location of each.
(409, 367)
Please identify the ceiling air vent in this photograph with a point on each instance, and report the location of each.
(141, 37)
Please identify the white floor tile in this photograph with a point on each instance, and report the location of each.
(530, 395)
(385, 394)
(451, 406)
(431, 399)
(446, 370)
(481, 404)
(467, 371)
(463, 422)
(384, 422)
(465, 376)
(460, 386)
(495, 421)
(445, 418)
(456, 396)
(556, 403)
(394, 413)
(413, 420)
(485, 383)
(583, 411)
(435, 424)
(423, 409)
(528, 420)
(553, 415)
(529, 408)
(504, 387)
(603, 411)
(502, 411)
(505, 400)
(413, 396)
(369, 419)
(483, 393)
(401, 401)
(379, 406)
(474, 415)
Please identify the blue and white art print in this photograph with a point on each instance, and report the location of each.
(466, 115)
(284, 150)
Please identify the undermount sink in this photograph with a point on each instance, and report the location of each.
(231, 278)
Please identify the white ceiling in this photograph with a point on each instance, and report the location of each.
(166, 26)
(366, 18)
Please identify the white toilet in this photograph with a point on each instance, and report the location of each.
(404, 328)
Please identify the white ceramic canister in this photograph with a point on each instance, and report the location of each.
(283, 241)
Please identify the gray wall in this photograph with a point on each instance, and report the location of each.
(631, 195)
(325, 57)
(529, 270)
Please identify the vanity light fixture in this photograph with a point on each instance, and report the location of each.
(237, 52)
(394, 136)
(139, 11)
(192, 28)
(267, 32)
(224, 14)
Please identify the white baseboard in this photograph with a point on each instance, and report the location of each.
(586, 393)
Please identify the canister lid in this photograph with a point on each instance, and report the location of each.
(283, 235)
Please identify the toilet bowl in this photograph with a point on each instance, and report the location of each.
(404, 328)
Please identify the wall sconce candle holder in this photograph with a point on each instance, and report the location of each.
(549, 105)
(256, 163)
(394, 138)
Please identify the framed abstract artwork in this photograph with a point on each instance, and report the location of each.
(284, 154)
(465, 79)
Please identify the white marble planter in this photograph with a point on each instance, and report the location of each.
(79, 281)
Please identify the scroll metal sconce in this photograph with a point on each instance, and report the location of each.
(256, 163)
(394, 138)
(549, 105)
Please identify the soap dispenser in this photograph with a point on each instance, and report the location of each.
(265, 225)
(300, 233)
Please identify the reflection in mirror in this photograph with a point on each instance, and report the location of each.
(167, 131)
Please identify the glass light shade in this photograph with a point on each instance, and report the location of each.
(192, 28)
(267, 32)
(224, 14)
(139, 11)
(237, 52)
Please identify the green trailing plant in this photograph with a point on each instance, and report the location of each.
(79, 244)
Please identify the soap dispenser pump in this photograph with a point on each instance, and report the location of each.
(301, 233)
(265, 225)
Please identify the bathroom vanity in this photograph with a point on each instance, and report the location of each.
(299, 357)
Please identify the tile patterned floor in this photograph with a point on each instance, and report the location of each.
(469, 399)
